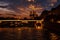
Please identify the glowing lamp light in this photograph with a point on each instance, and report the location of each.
(19, 29)
(38, 28)
(58, 21)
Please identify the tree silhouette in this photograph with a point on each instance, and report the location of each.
(53, 26)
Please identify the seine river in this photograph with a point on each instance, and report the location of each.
(23, 33)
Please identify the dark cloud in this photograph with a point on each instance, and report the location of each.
(14, 3)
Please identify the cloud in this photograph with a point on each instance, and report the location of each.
(14, 6)
(5, 9)
(7, 12)
(54, 1)
(4, 4)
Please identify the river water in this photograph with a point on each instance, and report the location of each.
(23, 33)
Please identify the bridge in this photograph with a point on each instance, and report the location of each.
(20, 23)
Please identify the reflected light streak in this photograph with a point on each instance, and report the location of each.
(38, 28)
(58, 21)
(19, 29)
(30, 29)
(0, 21)
(0, 29)
(53, 36)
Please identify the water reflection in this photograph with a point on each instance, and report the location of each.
(24, 33)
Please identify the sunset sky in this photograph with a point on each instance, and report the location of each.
(15, 6)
